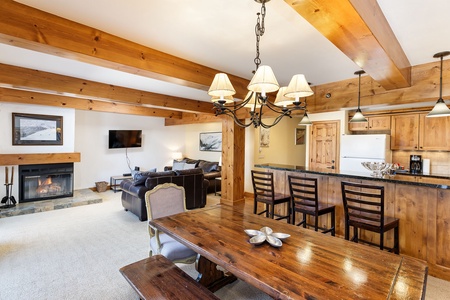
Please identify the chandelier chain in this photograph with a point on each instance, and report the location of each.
(259, 32)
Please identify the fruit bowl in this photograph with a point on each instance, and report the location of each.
(379, 169)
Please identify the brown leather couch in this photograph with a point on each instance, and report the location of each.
(133, 190)
(211, 170)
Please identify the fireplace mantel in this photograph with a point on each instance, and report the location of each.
(38, 158)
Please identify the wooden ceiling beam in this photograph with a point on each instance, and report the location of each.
(26, 97)
(360, 30)
(35, 80)
(30, 28)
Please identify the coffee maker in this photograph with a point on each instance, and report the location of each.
(415, 164)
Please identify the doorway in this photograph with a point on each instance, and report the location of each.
(323, 146)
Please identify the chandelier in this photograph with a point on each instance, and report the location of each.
(263, 82)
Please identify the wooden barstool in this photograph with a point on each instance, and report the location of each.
(264, 192)
(305, 200)
(364, 209)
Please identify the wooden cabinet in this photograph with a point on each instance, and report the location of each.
(372, 124)
(417, 132)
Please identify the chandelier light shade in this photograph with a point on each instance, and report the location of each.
(358, 117)
(221, 86)
(262, 82)
(298, 88)
(440, 109)
(281, 99)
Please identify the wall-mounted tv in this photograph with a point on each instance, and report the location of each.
(124, 139)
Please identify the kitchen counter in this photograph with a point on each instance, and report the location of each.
(439, 181)
(420, 202)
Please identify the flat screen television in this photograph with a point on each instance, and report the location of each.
(124, 139)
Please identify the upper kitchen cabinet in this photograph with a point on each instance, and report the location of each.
(417, 132)
(379, 123)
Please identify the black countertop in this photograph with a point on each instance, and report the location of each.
(428, 180)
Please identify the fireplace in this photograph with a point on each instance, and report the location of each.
(46, 181)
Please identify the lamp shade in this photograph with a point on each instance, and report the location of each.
(282, 100)
(439, 110)
(298, 87)
(263, 81)
(358, 117)
(177, 155)
(251, 104)
(305, 120)
(227, 99)
(221, 86)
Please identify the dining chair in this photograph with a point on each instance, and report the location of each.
(165, 200)
(305, 200)
(264, 192)
(364, 209)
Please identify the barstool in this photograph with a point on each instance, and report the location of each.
(304, 199)
(364, 209)
(264, 192)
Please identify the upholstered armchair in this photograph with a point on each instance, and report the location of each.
(165, 200)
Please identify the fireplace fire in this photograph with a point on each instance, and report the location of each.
(47, 181)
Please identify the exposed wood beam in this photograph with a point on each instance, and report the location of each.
(79, 88)
(26, 97)
(30, 28)
(360, 30)
(344, 94)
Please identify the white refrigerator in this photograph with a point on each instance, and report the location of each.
(358, 148)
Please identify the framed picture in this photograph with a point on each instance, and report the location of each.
(29, 129)
(264, 137)
(300, 136)
(211, 141)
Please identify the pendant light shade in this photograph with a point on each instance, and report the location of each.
(221, 86)
(358, 117)
(305, 120)
(440, 109)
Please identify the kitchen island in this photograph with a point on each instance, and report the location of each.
(420, 202)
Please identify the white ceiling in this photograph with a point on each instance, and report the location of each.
(220, 34)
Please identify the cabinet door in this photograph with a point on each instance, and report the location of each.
(359, 126)
(380, 123)
(405, 132)
(434, 133)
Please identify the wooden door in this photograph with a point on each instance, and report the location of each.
(323, 151)
(405, 132)
(434, 133)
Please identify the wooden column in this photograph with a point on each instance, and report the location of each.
(233, 162)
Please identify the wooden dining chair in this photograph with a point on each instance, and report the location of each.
(264, 192)
(305, 200)
(364, 209)
(165, 200)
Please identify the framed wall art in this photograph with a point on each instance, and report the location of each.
(211, 141)
(300, 136)
(29, 129)
(264, 137)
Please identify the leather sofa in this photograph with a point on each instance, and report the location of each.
(133, 190)
(211, 170)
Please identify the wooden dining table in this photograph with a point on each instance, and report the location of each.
(308, 265)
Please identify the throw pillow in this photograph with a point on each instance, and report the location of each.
(140, 177)
(207, 166)
(189, 166)
(178, 165)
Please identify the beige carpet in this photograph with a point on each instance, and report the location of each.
(76, 253)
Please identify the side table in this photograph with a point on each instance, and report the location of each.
(114, 182)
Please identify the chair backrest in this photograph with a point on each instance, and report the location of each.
(165, 200)
(363, 203)
(303, 192)
(263, 184)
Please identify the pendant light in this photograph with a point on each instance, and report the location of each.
(358, 117)
(440, 109)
